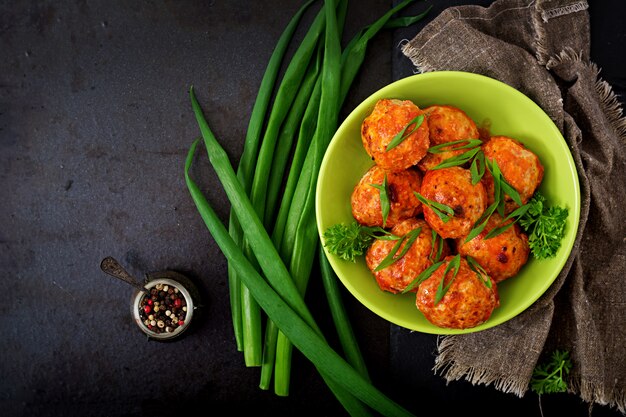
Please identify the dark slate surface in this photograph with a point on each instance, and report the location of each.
(95, 124)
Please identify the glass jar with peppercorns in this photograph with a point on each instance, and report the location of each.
(166, 310)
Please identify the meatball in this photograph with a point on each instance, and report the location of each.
(365, 200)
(453, 187)
(388, 119)
(520, 167)
(467, 303)
(420, 255)
(501, 256)
(446, 124)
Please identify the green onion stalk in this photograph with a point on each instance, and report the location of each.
(305, 108)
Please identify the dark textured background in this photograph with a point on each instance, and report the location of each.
(95, 123)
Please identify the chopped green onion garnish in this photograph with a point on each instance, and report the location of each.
(480, 271)
(385, 205)
(458, 160)
(455, 263)
(477, 169)
(441, 210)
(422, 277)
(401, 135)
(443, 147)
(480, 224)
(436, 239)
(515, 214)
(391, 258)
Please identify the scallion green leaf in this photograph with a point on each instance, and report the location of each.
(304, 334)
(477, 168)
(457, 160)
(385, 205)
(393, 255)
(451, 146)
(423, 276)
(442, 289)
(479, 270)
(444, 212)
(402, 135)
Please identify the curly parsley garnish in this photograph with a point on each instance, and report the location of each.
(350, 241)
(545, 226)
(550, 377)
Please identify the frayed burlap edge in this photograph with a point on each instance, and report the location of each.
(609, 101)
(453, 371)
(415, 56)
(591, 394)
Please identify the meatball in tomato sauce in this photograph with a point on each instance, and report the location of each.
(400, 187)
(421, 254)
(501, 256)
(446, 124)
(452, 187)
(519, 166)
(387, 120)
(469, 301)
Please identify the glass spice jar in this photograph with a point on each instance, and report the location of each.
(167, 310)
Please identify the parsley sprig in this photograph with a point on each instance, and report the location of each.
(545, 226)
(550, 377)
(352, 240)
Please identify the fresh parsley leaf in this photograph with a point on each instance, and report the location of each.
(350, 241)
(545, 227)
(550, 377)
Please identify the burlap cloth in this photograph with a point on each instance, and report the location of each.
(542, 49)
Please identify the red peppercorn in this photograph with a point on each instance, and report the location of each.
(150, 302)
(180, 322)
(147, 309)
(178, 302)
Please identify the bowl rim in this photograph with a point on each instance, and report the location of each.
(138, 295)
(574, 211)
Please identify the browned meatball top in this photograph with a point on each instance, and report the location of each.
(365, 200)
(467, 303)
(520, 167)
(453, 187)
(388, 119)
(398, 275)
(446, 124)
(502, 256)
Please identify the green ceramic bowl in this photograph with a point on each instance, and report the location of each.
(489, 103)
